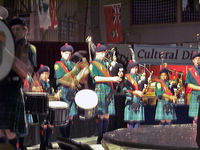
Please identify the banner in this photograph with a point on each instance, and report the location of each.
(52, 7)
(113, 24)
(47, 14)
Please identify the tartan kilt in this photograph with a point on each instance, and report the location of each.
(193, 106)
(12, 113)
(104, 106)
(130, 114)
(161, 115)
(72, 106)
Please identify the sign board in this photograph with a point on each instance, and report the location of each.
(153, 54)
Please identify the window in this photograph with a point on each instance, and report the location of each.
(190, 10)
(153, 11)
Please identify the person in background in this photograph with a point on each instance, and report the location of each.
(165, 111)
(99, 70)
(46, 129)
(193, 82)
(134, 109)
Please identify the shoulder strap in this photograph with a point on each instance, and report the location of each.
(103, 70)
(165, 88)
(132, 81)
(63, 66)
(195, 75)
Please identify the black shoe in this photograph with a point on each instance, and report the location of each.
(24, 148)
(50, 146)
(43, 147)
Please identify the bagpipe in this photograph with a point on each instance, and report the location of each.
(145, 75)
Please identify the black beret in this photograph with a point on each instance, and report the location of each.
(100, 48)
(195, 54)
(132, 64)
(67, 47)
(164, 70)
(16, 21)
(43, 68)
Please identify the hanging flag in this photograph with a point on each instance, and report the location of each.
(52, 7)
(113, 24)
(47, 14)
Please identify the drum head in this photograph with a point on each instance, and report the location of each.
(7, 50)
(86, 99)
(58, 104)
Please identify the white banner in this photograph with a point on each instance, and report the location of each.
(151, 54)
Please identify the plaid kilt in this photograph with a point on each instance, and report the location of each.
(12, 112)
(193, 106)
(72, 106)
(104, 106)
(130, 114)
(161, 115)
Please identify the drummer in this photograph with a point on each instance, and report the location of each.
(63, 67)
(13, 112)
(46, 129)
(99, 70)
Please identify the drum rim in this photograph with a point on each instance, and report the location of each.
(86, 90)
(10, 45)
(64, 104)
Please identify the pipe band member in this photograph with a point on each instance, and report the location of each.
(66, 85)
(99, 71)
(165, 111)
(193, 82)
(134, 109)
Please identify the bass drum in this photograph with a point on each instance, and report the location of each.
(7, 49)
(87, 101)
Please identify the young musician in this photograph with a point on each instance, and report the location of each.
(62, 68)
(12, 113)
(99, 70)
(46, 129)
(193, 82)
(134, 109)
(165, 111)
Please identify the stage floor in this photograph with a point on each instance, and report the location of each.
(92, 140)
(86, 140)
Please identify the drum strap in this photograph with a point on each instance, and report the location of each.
(103, 69)
(195, 75)
(132, 81)
(63, 66)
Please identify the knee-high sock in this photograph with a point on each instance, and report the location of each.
(63, 131)
(43, 133)
(100, 130)
(68, 129)
(105, 125)
(130, 124)
(49, 133)
(14, 143)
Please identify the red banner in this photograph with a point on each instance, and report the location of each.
(113, 25)
(52, 8)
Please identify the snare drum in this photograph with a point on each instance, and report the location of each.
(87, 100)
(36, 102)
(58, 113)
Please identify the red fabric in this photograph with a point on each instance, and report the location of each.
(113, 25)
(52, 11)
